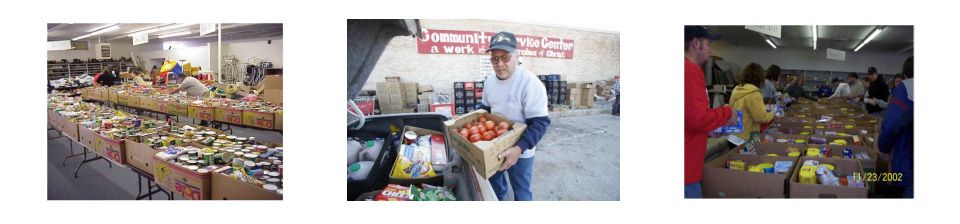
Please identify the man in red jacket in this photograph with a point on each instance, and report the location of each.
(699, 118)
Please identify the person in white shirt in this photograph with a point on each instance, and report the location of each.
(518, 95)
(842, 91)
(192, 86)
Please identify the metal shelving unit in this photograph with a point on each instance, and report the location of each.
(814, 78)
(65, 70)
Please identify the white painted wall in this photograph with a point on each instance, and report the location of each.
(811, 60)
(245, 50)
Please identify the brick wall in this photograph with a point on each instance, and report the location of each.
(596, 55)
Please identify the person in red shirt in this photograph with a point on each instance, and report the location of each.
(699, 118)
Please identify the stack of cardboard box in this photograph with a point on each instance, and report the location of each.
(396, 97)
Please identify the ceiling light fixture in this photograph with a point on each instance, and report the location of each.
(814, 27)
(174, 34)
(771, 43)
(98, 32)
(869, 38)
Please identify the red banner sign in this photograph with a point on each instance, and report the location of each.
(476, 42)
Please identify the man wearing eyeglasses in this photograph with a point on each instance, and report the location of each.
(518, 95)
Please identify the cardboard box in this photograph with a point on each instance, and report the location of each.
(273, 95)
(586, 94)
(273, 82)
(146, 103)
(482, 155)
(409, 94)
(140, 156)
(258, 119)
(387, 88)
(844, 166)
(222, 187)
(394, 102)
(435, 180)
(70, 129)
(278, 120)
(392, 78)
(128, 100)
(228, 115)
(422, 88)
(113, 97)
(179, 180)
(112, 149)
(720, 182)
(178, 109)
(836, 151)
(103, 94)
(87, 138)
(200, 112)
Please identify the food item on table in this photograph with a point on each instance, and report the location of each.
(394, 192)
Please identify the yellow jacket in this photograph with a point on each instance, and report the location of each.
(747, 98)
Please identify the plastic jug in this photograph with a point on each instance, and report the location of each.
(353, 151)
(359, 171)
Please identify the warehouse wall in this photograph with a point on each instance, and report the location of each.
(596, 55)
(259, 48)
(197, 55)
(812, 60)
(117, 49)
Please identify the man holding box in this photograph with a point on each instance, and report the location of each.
(518, 95)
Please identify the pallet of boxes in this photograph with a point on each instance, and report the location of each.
(580, 95)
(467, 96)
(396, 97)
(557, 92)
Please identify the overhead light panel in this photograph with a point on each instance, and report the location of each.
(98, 32)
(814, 27)
(174, 34)
(771, 43)
(869, 38)
(158, 29)
(101, 27)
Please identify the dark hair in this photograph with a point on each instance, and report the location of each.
(908, 67)
(853, 75)
(752, 74)
(871, 70)
(900, 76)
(773, 73)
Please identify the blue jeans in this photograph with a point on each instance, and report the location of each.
(692, 191)
(521, 174)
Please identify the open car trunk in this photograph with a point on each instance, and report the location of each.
(366, 41)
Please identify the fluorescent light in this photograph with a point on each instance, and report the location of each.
(176, 26)
(98, 32)
(814, 27)
(771, 43)
(869, 38)
(101, 27)
(157, 29)
(174, 34)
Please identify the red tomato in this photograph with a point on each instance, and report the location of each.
(500, 132)
(504, 125)
(483, 118)
(491, 125)
(483, 129)
(487, 136)
(468, 126)
(474, 130)
(464, 133)
(475, 138)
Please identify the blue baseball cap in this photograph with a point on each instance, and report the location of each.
(691, 32)
(503, 41)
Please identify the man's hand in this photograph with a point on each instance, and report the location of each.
(510, 156)
(733, 118)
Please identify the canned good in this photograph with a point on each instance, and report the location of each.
(251, 140)
(274, 181)
(409, 137)
(192, 167)
(203, 171)
(847, 153)
(250, 156)
(249, 165)
(270, 187)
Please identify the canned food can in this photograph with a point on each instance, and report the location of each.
(847, 153)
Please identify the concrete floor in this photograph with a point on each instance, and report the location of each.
(579, 159)
(98, 181)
